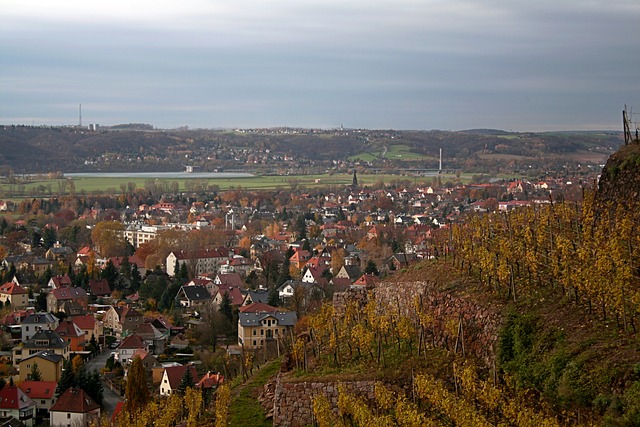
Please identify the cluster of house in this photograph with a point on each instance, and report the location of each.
(42, 339)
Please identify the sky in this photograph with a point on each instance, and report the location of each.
(516, 65)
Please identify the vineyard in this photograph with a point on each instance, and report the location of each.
(565, 280)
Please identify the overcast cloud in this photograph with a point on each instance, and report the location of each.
(403, 64)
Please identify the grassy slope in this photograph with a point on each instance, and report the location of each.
(245, 410)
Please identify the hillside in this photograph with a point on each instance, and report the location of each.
(530, 319)
(620, 180)
(39, 150)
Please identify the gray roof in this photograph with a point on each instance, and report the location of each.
(284, 318)
(47, 355)
(39, 319)
(353, 271)
(46, 339)
(196, 293)
(261, 295)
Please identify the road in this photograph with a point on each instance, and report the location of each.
(110, 398)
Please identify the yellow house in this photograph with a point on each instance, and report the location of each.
(41, 341)
(260, 323)
(49, 365)
(17, 296)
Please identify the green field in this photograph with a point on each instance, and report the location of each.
(53, 187)
(394, 152)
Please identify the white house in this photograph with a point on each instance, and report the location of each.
(74, 407)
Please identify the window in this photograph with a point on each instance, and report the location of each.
(262, 332)
(68, 415)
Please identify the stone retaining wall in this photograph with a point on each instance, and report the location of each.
(293, 401)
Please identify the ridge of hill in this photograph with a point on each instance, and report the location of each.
(40, 150)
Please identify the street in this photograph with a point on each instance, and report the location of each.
(110, 398)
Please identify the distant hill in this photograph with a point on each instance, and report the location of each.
(137, 147)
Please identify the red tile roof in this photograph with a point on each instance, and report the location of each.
(175, 374)
(230, 279)
(75, 400)
(68, 328)
(99, 287)
(11, 397)
(257, 307)
(84, 322)
(69, 293)
(39, 389)
(132, 341)
(210, 380)
(12, 289)
(61, 281)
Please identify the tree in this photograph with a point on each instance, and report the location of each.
(93, 345)
(186, 382)
(49, 237)
(136, 392)
(274, 297)
(110, 272)
(67, 379)
(35, 374)
(107, 236)
(371, 268)
(92, 384)
(225, 307)
(136, 278)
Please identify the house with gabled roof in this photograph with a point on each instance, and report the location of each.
(310, 290)
(74, 407)
(193, 296)
(15, 403)
(234, 293)
(351, 272)
(59, 282)
(148, 360)
(258, 295)
(41, 341)
(57, 297)
(366, 280)
(153, 339)
(205, 261)
(90, 326)
(122, 320)
(128, 346)
(299, 258)
(42, 393)
(37, 322)
(73, 334)
(260, 323)
(172, 376)
(210, 381)
(226, 280)
(16, 295)
(315, 275)
(49, 365)
(209, 284)
(99, 288)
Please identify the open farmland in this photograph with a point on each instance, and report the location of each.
(42, 187)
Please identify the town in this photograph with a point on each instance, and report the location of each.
(201, 288)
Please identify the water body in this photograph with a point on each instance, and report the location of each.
(160, 175)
